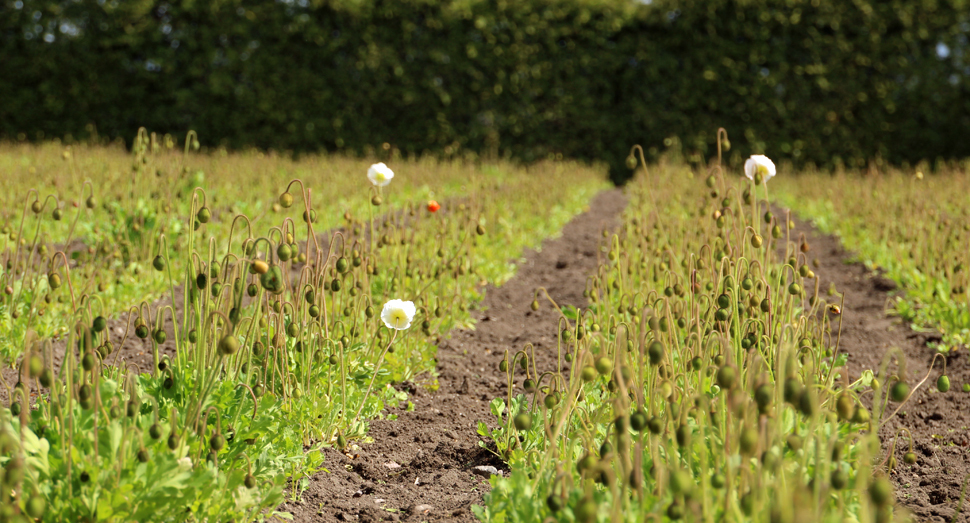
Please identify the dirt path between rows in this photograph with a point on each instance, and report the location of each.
(420, 466)
(930, 488)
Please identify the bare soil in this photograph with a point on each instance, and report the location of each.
(930, 488)
(420, 466)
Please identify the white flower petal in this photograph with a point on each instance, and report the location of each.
(759, 162)
(398, 314)
(380, 174)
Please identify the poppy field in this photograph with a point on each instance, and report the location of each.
(189, 336)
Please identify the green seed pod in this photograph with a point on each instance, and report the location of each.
(683, 435)
(342, 265)
(554, 502)
(286, 200)
(35, 366)
(376, 200)
(881, 491)
(335, 285)
(747, 500)
(551, 400)
(763, 396)
(142, 456)
(726, 377)
(943, 383)
(718, 480)
(604, 365)
(193, 336)
(503, 365)
(681, 482)
(839, 479)
(748, 441)
(228, 345)
(806, 402)
(142, 331)
(173, 441)
(252, 290)
(586, 511)
(588, 462)
(794, 289)
(159, 336)
(115, 412)
(794, 442)
(53, 280)
(284, 252)
(204, 215)
(88, 361)
(46, 378)
(333, 359)
(99, 324)
(201, 280)
(845, 407)
(480, 230)
(588, 373)
(272, 280)
(900, 391)
(159, 263)
(523, 421)
(861, 415)
(217, 442)
(655, 353)
(909, 458)
(765, 305)
(314, 311)
(36, 506)
(638, 420)
(155, 431)
(250, 481)
(529, 385)
(792, 390)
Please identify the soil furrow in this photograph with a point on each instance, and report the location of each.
(420, 467)
(930, 488)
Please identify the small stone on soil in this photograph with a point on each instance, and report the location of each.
(420, 509)
(486, 471)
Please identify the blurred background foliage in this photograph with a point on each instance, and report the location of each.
(827, 82)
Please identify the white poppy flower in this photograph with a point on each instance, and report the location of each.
(185, 463)
(379, 174)
(760, 164)
(397, 314)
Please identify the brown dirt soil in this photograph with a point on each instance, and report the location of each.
(930, 488)
(419, 467)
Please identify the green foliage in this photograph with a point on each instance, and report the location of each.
(717, 408)
(257, 386)
(913, 229)
(820, 81)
